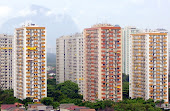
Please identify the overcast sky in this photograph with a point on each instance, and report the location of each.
(139, 13)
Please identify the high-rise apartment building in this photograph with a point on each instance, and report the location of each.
(69, 59)
(149, 66)
(126, 32)
(30, 77)
(6, 61)
(103, 63)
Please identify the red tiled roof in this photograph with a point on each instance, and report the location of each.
(73, 107)
(6, 106)
(16, 104)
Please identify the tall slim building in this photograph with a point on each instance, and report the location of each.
(69, 59)
(149, 66)
(6, 61)
(126, 32)
(30, 77)
(103, 63)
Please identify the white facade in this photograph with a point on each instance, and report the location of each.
(30, 76)
(6, 61)
(126, 32)
(148, 77)
(69, 59)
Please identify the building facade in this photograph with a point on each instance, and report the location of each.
(6, 61)
(149, 66)
(69, 59)
(103, 63)
(30, 76)
(126, 32)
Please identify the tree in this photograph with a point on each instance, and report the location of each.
(70, 89)
(47, 101)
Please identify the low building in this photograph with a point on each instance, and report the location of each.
(12, 107)
(72, 107)
(39, 107)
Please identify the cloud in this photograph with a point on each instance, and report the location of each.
(4, 11)
(26, 12)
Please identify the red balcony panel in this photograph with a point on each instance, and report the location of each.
(103, 39)
(118, 35)
(110, 39)
(103, 81)
(103, 51)
(118, 62)
(110, 89)
(102, 31)
(103, 58)
(103, 36)
(118, 43)
(92, 91)
(103, 89)
(110, 81)
(111, 78)
(103, 43)
(103, 62)
(103, 74)
(110, 85)
(103, 78)
(110, 35)
(119, 97)
(103, 47)
(110, 93)
(110, 31)
(103, 54)
(92, 80)
(110, 50)
(103, 85)
(118, 58)
(118, 81)
(111, 70)
(118, 47)
(118, 93)
(119, 74)
(110, 54)
(110, 43)
(103, 97)
(118, 89)
(118, 77)
(92, 95)
(118, 31)
(119, 70)
(119, 39)
(111, 47)
(110, 58)
(103, 93)
(103, 66)
(103, 70)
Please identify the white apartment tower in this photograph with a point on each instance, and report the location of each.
(6, 61)
(126, 32)
(30, 76)
(149, 66)
(69, 59)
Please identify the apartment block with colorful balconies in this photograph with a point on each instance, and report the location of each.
(149, 66)
(6, 61)
(30, 77)
(102, 63)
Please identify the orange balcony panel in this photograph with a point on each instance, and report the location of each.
(35, 90)
(36, 83)
(43, 79)
(28, 91)
(43, 65)
(36, 76)
(43, 90)
(43, 86)
(35, 79)
(35, 64)
(28, 83)
(28, 72)
(35, 87)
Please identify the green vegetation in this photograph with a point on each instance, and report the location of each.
(67, 92)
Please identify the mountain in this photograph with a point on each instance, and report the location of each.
(56, 24)
(51, 59)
